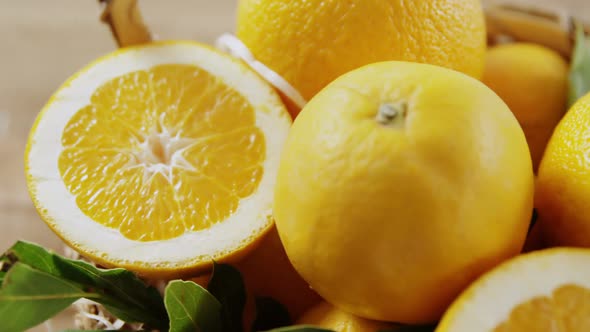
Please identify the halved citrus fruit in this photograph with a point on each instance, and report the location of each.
(158, 158)
(547, 290)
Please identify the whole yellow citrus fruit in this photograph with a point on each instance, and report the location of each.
(563, 187)
(543, 291)
(532, 81)
(327, 316)
(409, 179)
(312, 42)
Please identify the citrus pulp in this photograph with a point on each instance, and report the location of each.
(158, 158)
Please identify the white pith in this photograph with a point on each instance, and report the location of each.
(489, 301)
(58, 206)
(161, 152)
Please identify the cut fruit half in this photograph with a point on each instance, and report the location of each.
(158, 158)
(543, 291)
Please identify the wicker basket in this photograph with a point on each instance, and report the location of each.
(506, 21)
(550, 27)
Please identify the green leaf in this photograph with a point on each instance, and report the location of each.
(300, 328)
(29, 297)
(5, 260)
(270, 314)
(2, 274)
(227, 286)
(102, 330)
(121, 292)
(33, 255)
(191, 308)
(579, 76)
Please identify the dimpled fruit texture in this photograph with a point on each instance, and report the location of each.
(311, 42)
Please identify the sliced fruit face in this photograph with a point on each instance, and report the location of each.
(158, 158)
(547, 290)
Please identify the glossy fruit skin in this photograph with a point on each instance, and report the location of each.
(411, 214)
(532, 81)
(327, 316)
(562, 195)
(312, 42)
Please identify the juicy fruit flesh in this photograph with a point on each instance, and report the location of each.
(567, 309)
(160, 152)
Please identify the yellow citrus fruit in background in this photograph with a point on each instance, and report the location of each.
(311, 42)
(327, 316)
(563, 188)
(409, 179)
(267, 272)
(544, 291)
(532, 80)
(158, 158)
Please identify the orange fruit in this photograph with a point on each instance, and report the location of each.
(409, 179)
(312, 42)
(327, 316)
(159, 159)
(563, 190)
(267, 272)
(532, 80)
(543, 291)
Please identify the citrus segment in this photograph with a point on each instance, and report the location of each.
(566, 309)
(191, 139)
(158, 158)
(546, 290)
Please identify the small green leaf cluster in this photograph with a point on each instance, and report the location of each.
(36, 284)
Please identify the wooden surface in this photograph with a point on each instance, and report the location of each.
(44, 42)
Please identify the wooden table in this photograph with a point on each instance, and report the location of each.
(44, 42)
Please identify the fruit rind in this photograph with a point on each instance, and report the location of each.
(489, 301)
(190, 252)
